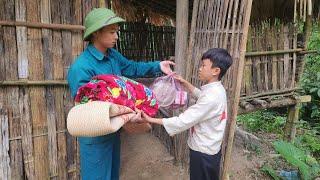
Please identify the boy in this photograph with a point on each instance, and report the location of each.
(206, 119)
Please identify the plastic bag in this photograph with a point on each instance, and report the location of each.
(169, 92)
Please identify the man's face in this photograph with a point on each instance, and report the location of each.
(107, 36)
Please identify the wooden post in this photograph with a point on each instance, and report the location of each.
(181, 36)
(293, 117)
(236, 94)
(180, 68)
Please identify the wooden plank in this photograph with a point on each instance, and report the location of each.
(16, 163)
(50, 103)
(2, 64)
(71, 143)
(248, 67)
(269, 58)
(286, 66)
(58, 71)
(280, 62)
(21, 33)
(265, 58)
(5, 170)
(26, 133)
(274, 73)
(37, 94)
(11, 94)
(294, 61)
(68, 101)
(259, 60)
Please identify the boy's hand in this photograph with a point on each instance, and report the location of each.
(149, 119)
(137, 118)
(180, 79)
(165, 67)
(146, 118)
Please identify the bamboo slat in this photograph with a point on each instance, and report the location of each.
(64, 40)
(274, 60)
(265, 60)
(48, 74)
(5, 170)
(286, 62)
(281, 63)
(294, 62)
(58, 71)
(11, 94)
(40, 25)
(248, 68)
(26, 133)
(21, 33)
(37, 94)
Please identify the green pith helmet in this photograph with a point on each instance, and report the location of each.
(98, 18)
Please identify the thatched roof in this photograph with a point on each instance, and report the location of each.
(162, 12)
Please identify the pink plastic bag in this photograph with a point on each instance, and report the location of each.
(169, 92)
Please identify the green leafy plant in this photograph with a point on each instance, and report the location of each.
(307, 165)
(271, 172)
(310, 80)
(310, 142)
(267, 121)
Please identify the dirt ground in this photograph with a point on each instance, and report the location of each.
(144, 157)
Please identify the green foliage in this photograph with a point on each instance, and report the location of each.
(266, 121)
(310, 80)
(308, 166)
(267, 169)
(310, 142)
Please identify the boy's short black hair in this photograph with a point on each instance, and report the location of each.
(220, 58)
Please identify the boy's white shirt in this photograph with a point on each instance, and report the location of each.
(206, 119)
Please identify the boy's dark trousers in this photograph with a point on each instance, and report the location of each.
(204, 166)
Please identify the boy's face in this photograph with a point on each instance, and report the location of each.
(207, 73)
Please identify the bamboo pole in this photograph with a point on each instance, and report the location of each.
(34, 83)
(269, 93)
(56, 82)
(236, 93)
(43, 25)
(181, 36)
(280, 52)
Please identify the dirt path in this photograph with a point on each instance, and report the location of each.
(144, 157)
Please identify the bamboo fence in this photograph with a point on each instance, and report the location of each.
(270, 72)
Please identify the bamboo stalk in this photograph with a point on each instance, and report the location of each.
(236, 93)
(36, 135)
(43, 25)
(33, 83)
(269, 93)
(277, 52)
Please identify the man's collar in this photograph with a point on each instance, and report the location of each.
(95, 52)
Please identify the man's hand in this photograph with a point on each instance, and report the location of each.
(165, 67)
